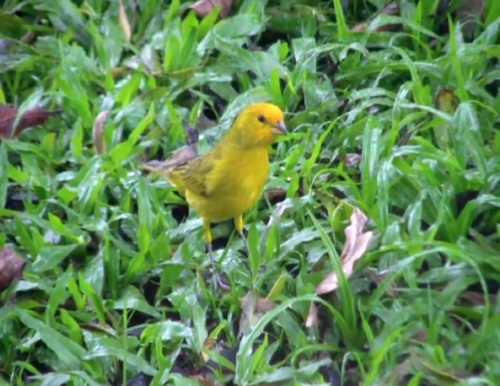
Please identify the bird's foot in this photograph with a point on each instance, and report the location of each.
(218, 281)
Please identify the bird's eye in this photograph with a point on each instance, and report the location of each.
(261, 118)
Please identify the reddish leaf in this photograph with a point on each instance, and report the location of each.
(352, 160)
(356, 243)
(203, 7)
(11, 267)
(123, 21)
(32, 117)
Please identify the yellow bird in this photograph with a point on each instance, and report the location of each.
(227, 181)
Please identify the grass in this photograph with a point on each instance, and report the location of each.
(402, 123)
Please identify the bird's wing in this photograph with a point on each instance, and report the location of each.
(193, 175)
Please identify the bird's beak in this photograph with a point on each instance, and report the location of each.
(280, 128)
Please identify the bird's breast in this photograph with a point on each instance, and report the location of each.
(237, 184)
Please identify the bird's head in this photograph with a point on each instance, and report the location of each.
(259, 124)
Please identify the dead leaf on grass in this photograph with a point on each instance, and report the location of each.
(203, 7)
(29, 118)
(253, 308)
(148, 61)
(11, 267)
(123, 21)
(356, 243)
(99, 144)
(352, 160)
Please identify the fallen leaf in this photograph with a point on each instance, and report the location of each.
(390, 9)
(123, 20)
(447, 101)
(100, 145)
(354, 247)
(11, 267)
(203, 7)
(356, 243)
(32, 117)
(253, 308)
(312, 316)
(361, 27)
(148, 61)
(352, 159)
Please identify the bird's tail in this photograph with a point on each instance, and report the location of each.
(178, 158)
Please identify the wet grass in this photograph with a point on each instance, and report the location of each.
(401, 123)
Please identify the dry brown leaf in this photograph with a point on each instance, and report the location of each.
(356, 242)
(390, 9)
(355, 246)
(123, 20)
(32, 117)
(11, 267)
(361, 27)
(100, 145)
(312, 316)
(352, 159)
(209, 344)
(253, 308)
(203, 7)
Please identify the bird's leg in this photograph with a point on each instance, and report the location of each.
(238, 223)
(208, 239)
(216, 279)
(211, 254)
